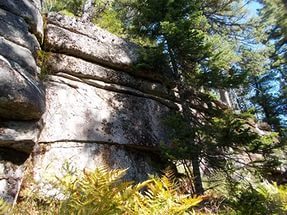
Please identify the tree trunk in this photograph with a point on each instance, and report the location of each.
(88, 10)
(188, 115)
(225, 97)
(197, 176)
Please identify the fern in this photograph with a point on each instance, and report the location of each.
(5, 208)
(103, 192)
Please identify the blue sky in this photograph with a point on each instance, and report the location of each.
(253, 7)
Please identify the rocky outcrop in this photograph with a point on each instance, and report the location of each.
(98, 111)
(83, 40)
(22, 95)
(29, 11)
(91, 107)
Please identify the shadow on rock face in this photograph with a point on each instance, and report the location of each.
(13, 156)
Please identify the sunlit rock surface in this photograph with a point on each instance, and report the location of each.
(98, 110)
(86, 105)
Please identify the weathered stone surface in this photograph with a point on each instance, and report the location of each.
(19, 55)
(90, 42)
(84, 40)
(59, 63)
(62, 77)
(15, 29)
(64, 41)
(38, 4)
(91, 114)
(90, 156)
(20, 136)
(21, 96)
(28, 10)
(10, 176)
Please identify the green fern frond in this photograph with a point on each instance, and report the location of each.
(5, 208)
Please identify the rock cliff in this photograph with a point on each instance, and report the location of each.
(79, 102)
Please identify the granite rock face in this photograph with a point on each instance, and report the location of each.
(28, 10)
(87, 41)
(22, 94)
(88, 113)
(90, 155)
(90, 109)
(98, 111)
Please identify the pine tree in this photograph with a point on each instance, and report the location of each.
(200, 42)
(270, 83)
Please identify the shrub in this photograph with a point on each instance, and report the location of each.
(104, 192)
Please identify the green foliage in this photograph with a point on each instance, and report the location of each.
(221, 136)
(4, 207)
(67, 7)
(103, 191)
(227, 142)
(152, 59)
(265, 60)
(42, 61)
(109, 20)
(265, 198)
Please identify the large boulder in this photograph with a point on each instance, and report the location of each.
(18, 56)
(29, 11)
(15, 29)
(21, 96)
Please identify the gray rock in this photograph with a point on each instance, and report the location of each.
(21, 96)
(91, 114)
(87, 41)
(59, 63)
(15, 29)
(10, 181)
(28, 10)
(65, 41)
(38, 4)
(84, 40)
(19, 55)
(20, 136)
(89, 156)
(62, 78)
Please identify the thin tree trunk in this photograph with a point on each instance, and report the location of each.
(197, 176)
(188, 116)
(88, 10)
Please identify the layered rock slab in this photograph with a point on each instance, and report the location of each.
(88, 113)
(60, 64)
(87, 41)
(83, 40)
(15, 29)
(21, 96)
(28, 10)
